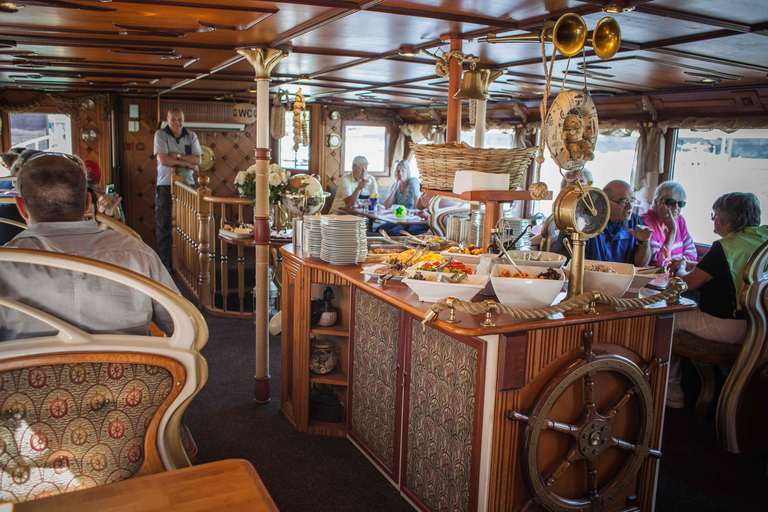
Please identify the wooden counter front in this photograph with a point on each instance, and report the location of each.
(430, 405)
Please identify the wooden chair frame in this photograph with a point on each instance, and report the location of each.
(71, 344)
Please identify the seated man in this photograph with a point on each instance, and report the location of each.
(624, 239)
(354, 186)
(53, 199)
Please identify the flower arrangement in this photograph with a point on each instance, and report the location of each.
(245, 181)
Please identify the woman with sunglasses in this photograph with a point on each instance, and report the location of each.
(671, 243)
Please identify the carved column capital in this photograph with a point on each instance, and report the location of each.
(262, 60)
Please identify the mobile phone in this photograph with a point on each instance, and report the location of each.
(110, 189)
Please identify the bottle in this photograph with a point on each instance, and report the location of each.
(493, 246)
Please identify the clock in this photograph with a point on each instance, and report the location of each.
(581, 210)
(334, 141)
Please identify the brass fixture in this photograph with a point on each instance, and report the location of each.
(618, 7)
(334, 141)
(89, 134)
(471, 86)
(408, 50)
(605, 39)
(10, 7)
(568, 34)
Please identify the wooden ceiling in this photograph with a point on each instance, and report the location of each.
(348, 52)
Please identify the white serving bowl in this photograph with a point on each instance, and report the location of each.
(641, 280)
(432, 291)
(526, 293)
(464, 258)
(545, 259)
(608, 283)
(472, 266)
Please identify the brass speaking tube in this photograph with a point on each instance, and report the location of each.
(569, 35)
(606, 38)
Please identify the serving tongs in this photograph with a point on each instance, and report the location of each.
(432, 246)
(388, 238)
(505, 253)
(382, 280)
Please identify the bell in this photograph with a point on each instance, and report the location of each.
(471, 86)
(606, 38)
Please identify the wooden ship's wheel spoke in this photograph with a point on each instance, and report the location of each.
(592, 434)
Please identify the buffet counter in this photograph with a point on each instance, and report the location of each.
(565, 411)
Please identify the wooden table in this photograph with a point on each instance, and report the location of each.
(230, 484)
(385, 215)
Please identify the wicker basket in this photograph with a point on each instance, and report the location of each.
(439, 162)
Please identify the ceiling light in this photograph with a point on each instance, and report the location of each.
(708, 80)
(408, 50)
(10, 7)
(618, 7)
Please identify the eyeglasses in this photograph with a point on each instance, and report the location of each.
(713, 215)
(624, 202)
(43, 153)
(671, 202)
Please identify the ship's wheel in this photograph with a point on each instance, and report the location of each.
(588, 432)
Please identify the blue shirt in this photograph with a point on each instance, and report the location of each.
(615, 243)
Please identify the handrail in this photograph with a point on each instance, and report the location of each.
(228, 200)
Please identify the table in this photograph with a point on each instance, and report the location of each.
(230, 484)
(386, 215)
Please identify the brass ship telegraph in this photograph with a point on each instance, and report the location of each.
(581, 212)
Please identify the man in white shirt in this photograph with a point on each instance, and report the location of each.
(354, 186)
(174, 146)
(54, 200)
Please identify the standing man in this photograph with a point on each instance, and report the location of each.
(625, 237)
(354, 186)
(174, 146)
(53, 200)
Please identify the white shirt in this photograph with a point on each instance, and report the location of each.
(346, 186)
(91, 303)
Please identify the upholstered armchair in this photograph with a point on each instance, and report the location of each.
(79, 410)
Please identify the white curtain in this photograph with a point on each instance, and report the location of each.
(432, 133)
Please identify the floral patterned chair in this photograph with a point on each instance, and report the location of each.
(79, 410)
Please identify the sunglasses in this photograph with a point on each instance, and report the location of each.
(672, 202)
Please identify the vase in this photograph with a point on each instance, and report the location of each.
(323, 356)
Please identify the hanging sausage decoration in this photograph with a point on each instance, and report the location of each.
(298, 122)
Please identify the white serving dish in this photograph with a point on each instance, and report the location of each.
(546, 259)
(639, 281)
(418, 265)
(432, 291)
(375, 271)
(466, 258)
(526, 293)
(611, 284)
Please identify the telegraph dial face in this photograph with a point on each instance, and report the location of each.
(581, 211)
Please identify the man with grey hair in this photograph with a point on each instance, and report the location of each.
(175, 146)
(625, 238)
(354, 186)
(53, 199)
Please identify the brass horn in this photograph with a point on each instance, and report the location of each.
(569, 35)
(606, 38)
(471, 86)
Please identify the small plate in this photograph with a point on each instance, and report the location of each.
(377, 271)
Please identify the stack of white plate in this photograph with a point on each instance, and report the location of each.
(313, 237)
(343, 239)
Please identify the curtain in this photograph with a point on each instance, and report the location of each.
(432, 133)
(649, 156)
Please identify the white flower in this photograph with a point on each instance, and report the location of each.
(240, 178)
(275, 168)
(286, 177)
(275, 179)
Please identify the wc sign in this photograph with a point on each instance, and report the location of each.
(244, 113)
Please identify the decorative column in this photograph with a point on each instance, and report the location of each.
(488, 77)
(453, 121)
(262, 60)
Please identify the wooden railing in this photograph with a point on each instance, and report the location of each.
(194, 246)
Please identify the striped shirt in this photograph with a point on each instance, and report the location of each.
(682, 247)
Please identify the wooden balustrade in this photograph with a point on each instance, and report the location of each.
(195, 252)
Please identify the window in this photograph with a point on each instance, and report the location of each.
(290, 159)
(46, 132)
(709, 164)
(614, 157)
(369, 141)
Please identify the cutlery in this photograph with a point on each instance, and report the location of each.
(382, 280)
(506, 254)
